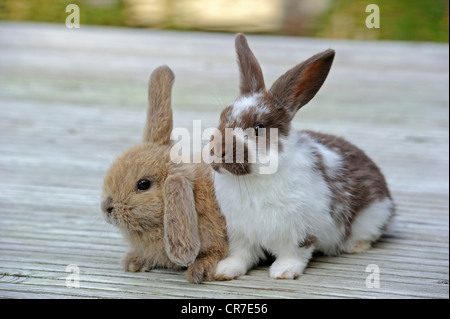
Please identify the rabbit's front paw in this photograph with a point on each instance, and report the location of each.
(133, 263)
(230, 268)
(286, 269)
(201, 270)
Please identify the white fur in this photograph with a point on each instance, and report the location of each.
(367, 227)
(244, 103)
(331, 160)
(277, 212)
(290, 263)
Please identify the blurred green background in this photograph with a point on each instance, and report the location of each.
(409, 20)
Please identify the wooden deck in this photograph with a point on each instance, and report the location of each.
(73, 99)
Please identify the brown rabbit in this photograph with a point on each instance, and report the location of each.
(166, 211)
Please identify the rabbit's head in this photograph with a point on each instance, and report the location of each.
(259, 120)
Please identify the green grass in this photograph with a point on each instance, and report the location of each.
(408, 20)
(106, 12)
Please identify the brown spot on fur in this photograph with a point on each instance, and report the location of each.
(307, 242)
(359, 184)
(339, 207)
(230, 158)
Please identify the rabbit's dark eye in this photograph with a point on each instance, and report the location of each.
(143, 184)
(257, 128)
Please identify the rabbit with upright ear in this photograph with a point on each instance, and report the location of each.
(323, 193)
(166, 211)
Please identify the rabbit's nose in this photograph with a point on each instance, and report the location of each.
(106, 205)
(212, 153)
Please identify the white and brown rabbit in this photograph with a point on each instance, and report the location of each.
(166, 211)
(323, 193)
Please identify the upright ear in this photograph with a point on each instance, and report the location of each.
(159, 113)
(181, 238)
(300, 84)
(251, 77)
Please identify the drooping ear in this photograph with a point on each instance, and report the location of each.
(181, 238)
(251, 76)
(300, 84)
(159, 113)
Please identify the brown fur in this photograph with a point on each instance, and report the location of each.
(360, 177)
(159, 116)
(229, 159)
(251, 74)
(307, 242)
(300, 84)
(176, 222)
